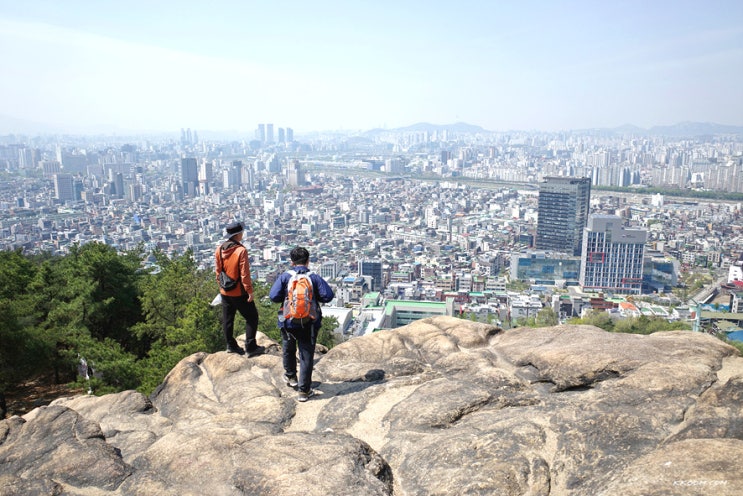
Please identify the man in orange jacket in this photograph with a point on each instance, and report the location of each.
(232, 257)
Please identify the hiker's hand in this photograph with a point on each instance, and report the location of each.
(250, 297)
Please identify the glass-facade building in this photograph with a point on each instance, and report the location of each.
(660, 274)
(545, 268)
(562, 213)
(373, 269)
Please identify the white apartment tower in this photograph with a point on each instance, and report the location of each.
(612, 256)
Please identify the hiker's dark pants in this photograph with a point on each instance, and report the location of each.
(303, 338)
(232, 305)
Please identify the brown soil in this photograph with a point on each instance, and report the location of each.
(23, 398)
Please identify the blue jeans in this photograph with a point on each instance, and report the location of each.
(304, 338)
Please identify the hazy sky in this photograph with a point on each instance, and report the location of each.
(321, 65)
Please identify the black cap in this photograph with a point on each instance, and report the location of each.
(234, 228)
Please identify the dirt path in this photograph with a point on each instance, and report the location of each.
(40, 391)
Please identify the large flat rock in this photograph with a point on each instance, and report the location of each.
(442, 406)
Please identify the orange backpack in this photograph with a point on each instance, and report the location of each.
(300, 306)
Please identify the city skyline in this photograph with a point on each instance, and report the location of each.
(228, 66)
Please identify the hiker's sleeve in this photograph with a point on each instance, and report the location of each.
(324, 291)
(217, 264)
(276, 294)
(245, 272)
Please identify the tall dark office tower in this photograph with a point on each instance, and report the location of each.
(372, 268)
(119, 185)
(563, 213)
(189, 176)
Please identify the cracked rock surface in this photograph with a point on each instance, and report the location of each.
(441, 406)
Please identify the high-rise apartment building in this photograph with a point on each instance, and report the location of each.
(612, 259)
(206, 172)
(231, 177)
(295, 174)
(134, 192)
(50, 167)
(394, 166)
(26, 158)
(273, 164)
(562, 213)
(269, 133)
(289, 135)
(64, 189)
(188, 138)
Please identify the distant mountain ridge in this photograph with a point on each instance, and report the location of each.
(682, 129)
(13, 125)
(679, 130)
(695, 129)
(457, 127)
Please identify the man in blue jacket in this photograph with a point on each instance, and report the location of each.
(300, 334)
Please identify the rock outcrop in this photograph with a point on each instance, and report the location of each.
(442, 406)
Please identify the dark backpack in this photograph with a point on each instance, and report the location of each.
(300, 305)
(225, 281)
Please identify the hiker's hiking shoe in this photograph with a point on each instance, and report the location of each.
(236, 350)
(304, 396)
(258, 350)
(291, 380)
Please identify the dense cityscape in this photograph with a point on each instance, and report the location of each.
(407, 223)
